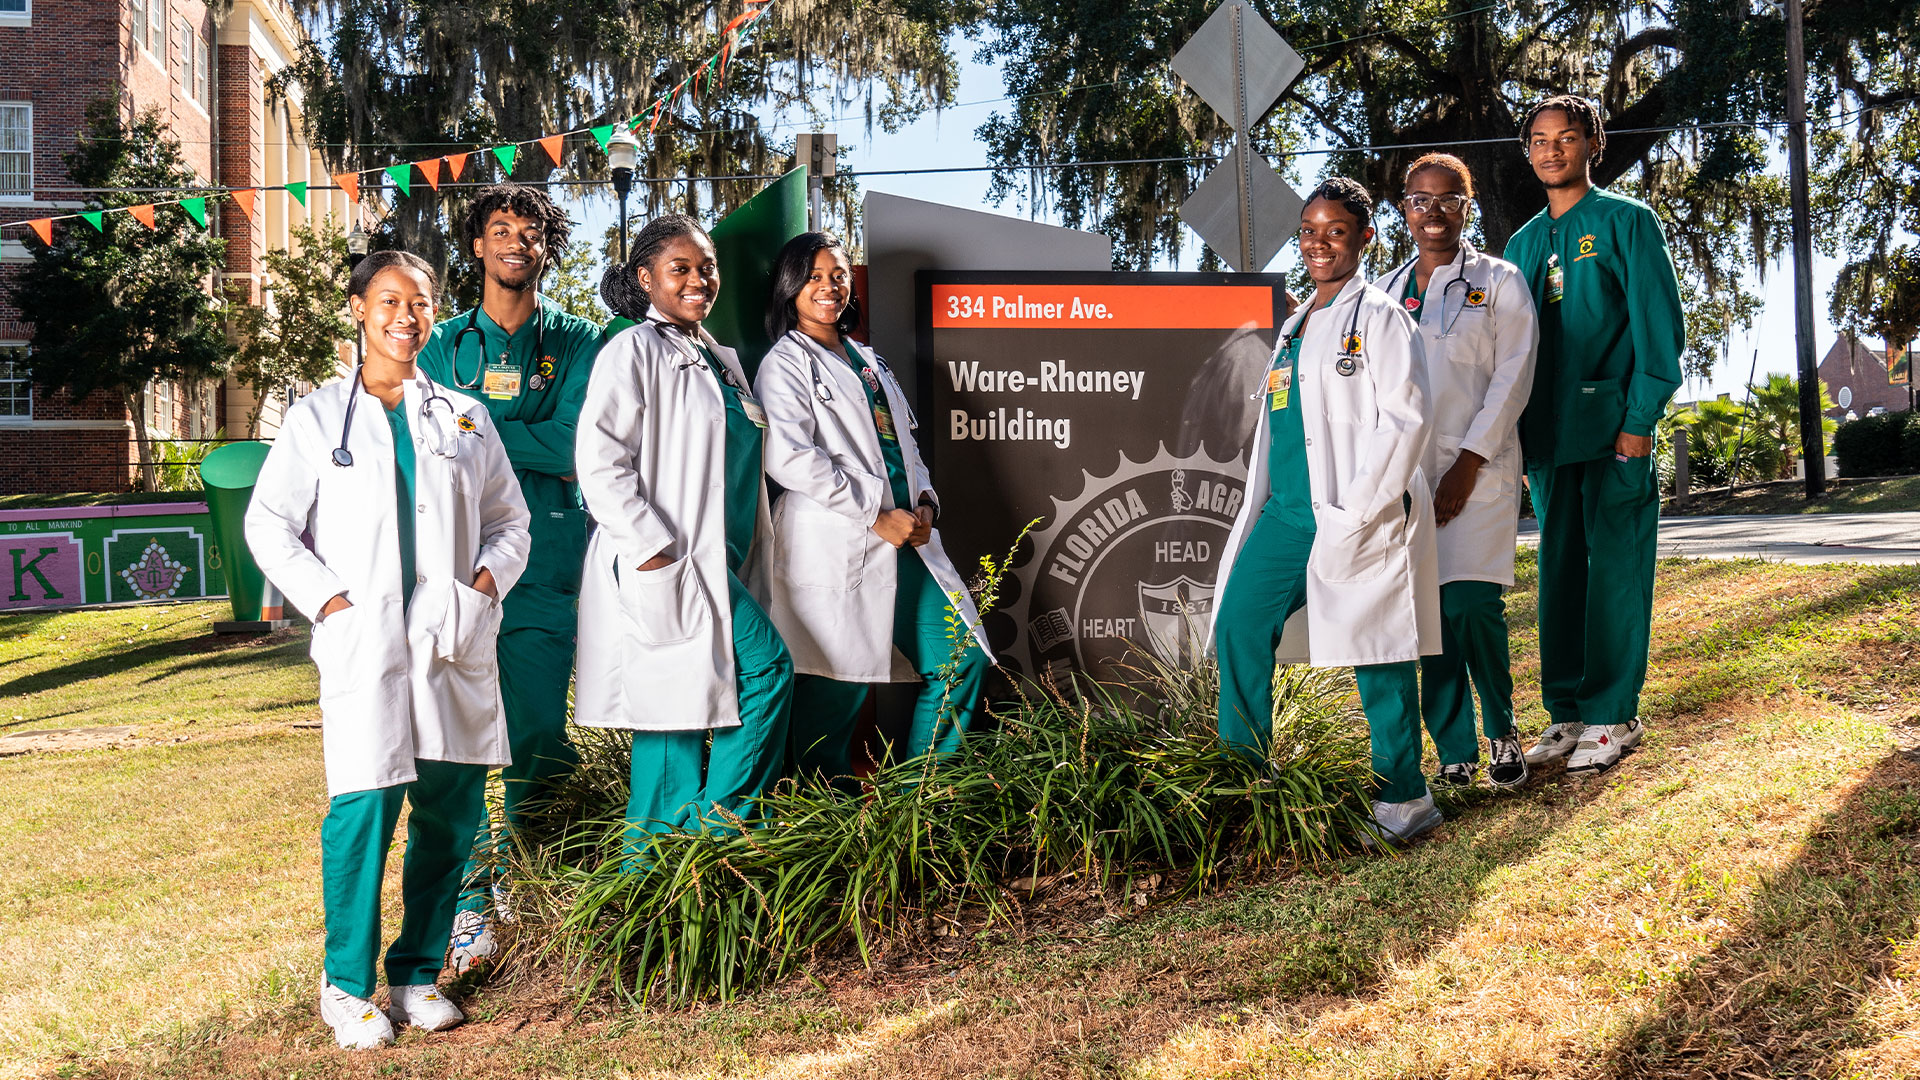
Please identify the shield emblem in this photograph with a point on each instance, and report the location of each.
(1177, 616)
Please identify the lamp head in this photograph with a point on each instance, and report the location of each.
(623, 153)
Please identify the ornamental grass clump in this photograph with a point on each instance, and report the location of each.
(1099, 788)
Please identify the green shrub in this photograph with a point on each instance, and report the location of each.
(1874, 446)
(1103, 790)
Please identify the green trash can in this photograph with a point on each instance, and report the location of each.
(228, 473)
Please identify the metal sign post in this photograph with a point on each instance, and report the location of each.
(1239, 65)
(818, 151)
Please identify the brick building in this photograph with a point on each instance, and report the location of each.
(206, 69)
(1855, 366)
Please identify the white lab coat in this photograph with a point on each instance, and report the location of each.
(1373, 594)
(831, 578)
(398, 682)
(656, 646)
(1478, 378)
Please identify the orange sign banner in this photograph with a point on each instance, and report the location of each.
(1103, 307)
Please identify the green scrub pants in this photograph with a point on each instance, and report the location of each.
(1473, 640)
(682, 783)
(448, 802)
(536, 663)
(1268, 583)
(1598, 524)
(826, 710)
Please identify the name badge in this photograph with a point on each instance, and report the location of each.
(1279, 387)
(1556, 280)
(752, 408)
(883, 423)
(502, 382)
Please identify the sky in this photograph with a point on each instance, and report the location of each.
(946, 139)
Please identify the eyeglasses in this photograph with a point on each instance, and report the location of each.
(1446, 204)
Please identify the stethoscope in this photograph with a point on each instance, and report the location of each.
(535, 382)
(444, 445)
(1467, 290)
(1349, 342)
(823, 390)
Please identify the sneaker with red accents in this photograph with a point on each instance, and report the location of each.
(1601, 745)
(1554, 743)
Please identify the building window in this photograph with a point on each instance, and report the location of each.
(16, 12)
(157, 31)
(184, 41)
(160, 409)
(202, 76)
(137, 20)
(16, 150)
(16, 387)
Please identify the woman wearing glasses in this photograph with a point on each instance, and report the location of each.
(1476, 319)
(418, 529)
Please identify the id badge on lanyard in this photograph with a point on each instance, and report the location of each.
(1280, 384)
(1556, 279)
(502, 382)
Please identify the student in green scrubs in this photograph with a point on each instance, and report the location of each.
(397, 535)
(1337, 518)
(675, 643)
(1611, 333)
(858, 569)
(528, 361)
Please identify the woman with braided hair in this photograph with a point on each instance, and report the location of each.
(674, 644)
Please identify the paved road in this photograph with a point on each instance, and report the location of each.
(1795, 538)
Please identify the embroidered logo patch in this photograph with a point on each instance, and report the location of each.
(546, 368)
(1586, 248)
(1476, 297)
(466, 424)
(1352, 345)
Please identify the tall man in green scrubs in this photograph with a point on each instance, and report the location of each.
(528, 361)
(1611, 332)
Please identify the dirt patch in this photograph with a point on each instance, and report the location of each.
(85, 738)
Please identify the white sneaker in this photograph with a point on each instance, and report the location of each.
(1556, 742)
(1397, 823)
(424, 1007)
(473, 942)
(1601, 746)
(358, 1024)
(1509, 766)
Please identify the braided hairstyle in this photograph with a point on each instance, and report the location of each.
(1351, 195)
(521, 200)
(620, 286)
(1580, 111)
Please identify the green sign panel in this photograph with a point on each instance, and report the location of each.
(108, 555)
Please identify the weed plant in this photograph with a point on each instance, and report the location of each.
(1099, 786)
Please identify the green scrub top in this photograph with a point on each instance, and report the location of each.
(405, 494)
(536, 426)
(1611, 326)
(744, 465)
(890, 450)
(1289, 491)
(1414, 297)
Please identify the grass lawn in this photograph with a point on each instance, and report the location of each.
(98, 498)
(1844, 496)
(1741, 897)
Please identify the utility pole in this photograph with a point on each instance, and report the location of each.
(1813, 450)
(818, 152)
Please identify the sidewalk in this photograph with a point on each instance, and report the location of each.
(1794, 538)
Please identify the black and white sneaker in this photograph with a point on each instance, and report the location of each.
(1509, 766)
(1459, 774)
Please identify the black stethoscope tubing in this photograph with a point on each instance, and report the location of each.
(479, 373)
(343, 457)
(1345, 365)
(1459, 278)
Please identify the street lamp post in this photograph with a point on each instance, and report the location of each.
(623, 152)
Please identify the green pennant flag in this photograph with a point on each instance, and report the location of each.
(506, 154)
(196, 209)
(299, 190)
(402, 177)
(93, 218)
(603, 133)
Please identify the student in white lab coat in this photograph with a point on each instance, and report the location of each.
(418, 530)
(1477, 322)
(674, 643)
(857, 568)
(1338, 518)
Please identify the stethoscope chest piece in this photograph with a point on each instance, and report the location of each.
(1345, 365)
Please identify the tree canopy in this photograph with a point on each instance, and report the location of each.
(1693, 92)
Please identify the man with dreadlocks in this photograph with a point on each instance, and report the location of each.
(528, 362)
(1611, 331)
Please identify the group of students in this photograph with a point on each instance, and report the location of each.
(446, 559)
(1383, 487)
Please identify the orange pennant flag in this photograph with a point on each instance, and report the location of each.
(552, 146)
(143, 214)
(44, 227)
(455, 163)
(430, 169)
(244, 198)
(349, 182)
